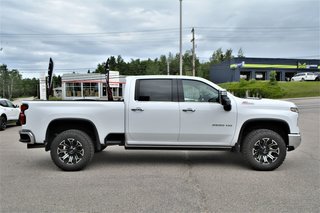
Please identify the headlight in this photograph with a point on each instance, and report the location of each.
(294, 109)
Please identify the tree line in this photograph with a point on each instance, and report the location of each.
(12, 85)
(167, 64)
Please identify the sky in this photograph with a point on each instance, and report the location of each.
(79, 34)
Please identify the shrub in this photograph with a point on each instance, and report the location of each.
(261, 89)
(273, 77)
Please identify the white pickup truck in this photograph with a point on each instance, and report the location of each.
(163, 112)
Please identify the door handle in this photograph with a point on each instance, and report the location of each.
(138, 109)
(189, 110)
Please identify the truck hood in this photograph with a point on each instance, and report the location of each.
(265, 103)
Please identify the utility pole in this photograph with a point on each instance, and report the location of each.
(168, 67)
(193, 54)
(3, 93)
(180, 37)
(10, 94)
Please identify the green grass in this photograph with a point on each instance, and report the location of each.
(300, 89)
(278, 90)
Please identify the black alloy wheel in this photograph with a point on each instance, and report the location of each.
(264, 149)
(72, 150)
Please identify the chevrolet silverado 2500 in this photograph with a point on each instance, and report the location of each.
(163, 112)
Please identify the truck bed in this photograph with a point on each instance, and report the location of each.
(97, 112)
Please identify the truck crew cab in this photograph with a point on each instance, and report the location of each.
(163, 112)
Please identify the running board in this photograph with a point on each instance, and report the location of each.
(113, 143)
(33, 146)
(193, 148)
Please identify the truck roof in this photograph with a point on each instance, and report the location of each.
(173, 77)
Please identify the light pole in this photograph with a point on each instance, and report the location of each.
(180, 37)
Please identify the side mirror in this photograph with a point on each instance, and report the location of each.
(225, 101)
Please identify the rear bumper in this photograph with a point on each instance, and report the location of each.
(294, 141)
(26, 136)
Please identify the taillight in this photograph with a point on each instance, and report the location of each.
(22, 116)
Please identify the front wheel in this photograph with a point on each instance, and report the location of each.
(264, 149)
(72, 150)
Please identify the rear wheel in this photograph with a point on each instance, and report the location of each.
(3, 123)
(264, 149)
(72, 150)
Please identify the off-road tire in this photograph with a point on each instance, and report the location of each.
(264, 149)
(72, 150)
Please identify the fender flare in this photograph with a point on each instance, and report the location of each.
(62, 124)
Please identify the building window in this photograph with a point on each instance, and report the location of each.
(245, 75)
(104, 91)
(288, 75)
(115, 91)
(73, 89)
(120, 90)
(90, 89)
(260, 76)
(278, 76)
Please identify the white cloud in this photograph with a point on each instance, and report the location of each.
(80, 34)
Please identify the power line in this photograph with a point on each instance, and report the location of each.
(168, 30)
(92, 33)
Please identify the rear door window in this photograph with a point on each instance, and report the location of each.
(154, 90)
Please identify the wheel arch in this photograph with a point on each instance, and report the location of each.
(57, 126)
(276, 125)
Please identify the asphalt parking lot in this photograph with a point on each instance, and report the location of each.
(163, 181)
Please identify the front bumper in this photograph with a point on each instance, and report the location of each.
(294, 141)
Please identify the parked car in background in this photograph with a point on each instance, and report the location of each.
(318, 76)
(9, 113)
(305, 76)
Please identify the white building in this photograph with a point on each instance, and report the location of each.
(90, 85)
